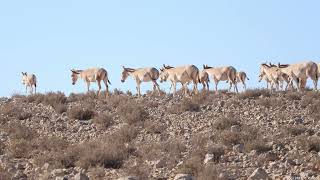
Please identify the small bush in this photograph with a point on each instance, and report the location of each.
(154, 128)
(115, 100)
(295, 96)
(60, 108)
(225, 122)
(209, 172)
(127, 133)
(295, 130)
(17, 131)
(189, 105)
(20, 148)
(132, 112)
(269, 102)
(117, 92)
(14, 111)
(311, 143)
(81, 113)
(192, 166)
(217, 150)
(106, 153)
(254, 93)
(314, 110)
(259, 145)
(103, 121)
(229, 138)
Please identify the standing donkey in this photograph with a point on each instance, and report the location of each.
(29, 80)
(92, 75)
(142, 75)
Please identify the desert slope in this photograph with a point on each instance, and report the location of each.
(224, 136)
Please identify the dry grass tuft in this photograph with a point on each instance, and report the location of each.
(132, 112)
(103, 121)
(81, 113)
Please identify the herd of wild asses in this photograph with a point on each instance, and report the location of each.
(294, 76)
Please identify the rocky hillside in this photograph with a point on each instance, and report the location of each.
(254, 135)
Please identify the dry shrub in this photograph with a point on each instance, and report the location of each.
(4, 174)
(14, 111)
(80, 113)
(127, 133)
(108, 152)
(217, 150)
(208, 173)
(91, 95)
(115, 100)
(306, 101)
(20, 148)
(34, 98)
(254, 93)
(311, 143)
(60, 108)
(117, 92)
(269, 102)
(154, 128)
(97, 173)
(192, 166)
(56, 100)
(18, 131)
(260, 145)
(190, 105)
(225, 122)
(129, 93)
(170, 150)
(295, 96)
(314, 110)
(295, 130)
(140, 171)
(230, 138)
(103, 121)
(185, 105)
(132, 112)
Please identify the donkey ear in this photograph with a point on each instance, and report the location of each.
(22, 73)
(123, 67)
(204, 66)
(74, 71)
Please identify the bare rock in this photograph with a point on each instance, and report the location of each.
(259, 174)
(184, 177)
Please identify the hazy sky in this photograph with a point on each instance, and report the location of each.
(49, 38)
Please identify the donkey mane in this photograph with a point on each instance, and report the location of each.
(207, 67)
(167, 67)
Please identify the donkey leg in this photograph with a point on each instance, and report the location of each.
(99, 86)
(157, 87)
(174, 88)
(139, 90)
(235, 86)
(88, 86)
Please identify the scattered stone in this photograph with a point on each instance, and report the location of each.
(184, 177)
(259, 174)
(81, 176)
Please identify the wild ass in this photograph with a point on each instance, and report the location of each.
(300, 72)
(242, 77)
(283, 78)
(92, 75)
(272, 74)
(142, 75)
(204, 80)
(29, 80)
(182, 74)
(227, 73)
